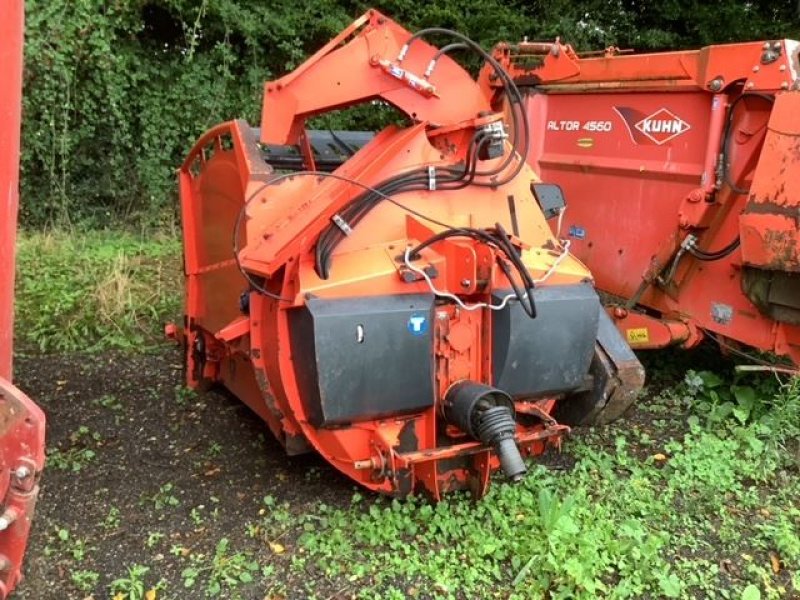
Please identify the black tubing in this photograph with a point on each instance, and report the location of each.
(487, 414)
(496, 428)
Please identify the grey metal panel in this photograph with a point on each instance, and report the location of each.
(331, 149)
(612, 341)
(361, 358)
(550, 353)
(617, 380)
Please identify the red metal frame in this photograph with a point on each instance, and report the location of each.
(11, 27)
(252, 355)
(22, 423)
(635, 141)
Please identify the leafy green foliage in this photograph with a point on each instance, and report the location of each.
(164, 498)
(84, 580)
(96, 290)
(132, 585)
(116, 93)
(77, 453)
(225, 571)
(636, 517)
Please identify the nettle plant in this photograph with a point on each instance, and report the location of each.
(764, 411)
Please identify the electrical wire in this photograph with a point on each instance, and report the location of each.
(441, 52)
(240, 217)
(515, 97)
(498, 239)
(449, 179)
(418, 179)
(560, 220)
(706, 255)
(506, 299)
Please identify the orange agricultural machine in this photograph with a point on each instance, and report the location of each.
(21, 421)
(681, 172)
(395, 302)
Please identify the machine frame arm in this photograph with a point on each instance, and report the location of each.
(360, 65)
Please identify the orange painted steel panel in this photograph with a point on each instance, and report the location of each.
(668, 158)
(241, 325)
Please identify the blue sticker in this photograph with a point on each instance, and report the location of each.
(577, 231)
(417, 324)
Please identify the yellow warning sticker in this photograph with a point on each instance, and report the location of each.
(638, 335)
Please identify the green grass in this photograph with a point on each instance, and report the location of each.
(696, 496)
(701, 513)
(95, 291)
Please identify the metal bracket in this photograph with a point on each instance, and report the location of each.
(342, 224)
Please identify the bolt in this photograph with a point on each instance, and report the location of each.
(782, 68)
(22, 473)
(441, 316)
(465, 283)
(756, 69)
(7, 518)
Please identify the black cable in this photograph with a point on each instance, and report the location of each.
(322, 174)
(706, 255)
(445, 49)
(499, 240)
(415, 180)
(515, 97)
(236, 230)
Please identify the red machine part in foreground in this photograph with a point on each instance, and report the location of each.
(21, 421)
(408, 315)
(681, 172)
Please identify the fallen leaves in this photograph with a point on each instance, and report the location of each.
(277, 548)
(775, 562)
(212, 472)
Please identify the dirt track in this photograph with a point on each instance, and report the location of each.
(211, 449)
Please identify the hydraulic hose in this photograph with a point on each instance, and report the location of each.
(726, 139)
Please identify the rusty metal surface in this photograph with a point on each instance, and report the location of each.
(770, 225)
(617, 381)
(22, 428)
(655, 151)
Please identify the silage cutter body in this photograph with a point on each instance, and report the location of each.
(408, 315)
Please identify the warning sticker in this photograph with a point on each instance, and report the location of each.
(637, 335)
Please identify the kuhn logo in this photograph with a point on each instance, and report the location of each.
(657, 128)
